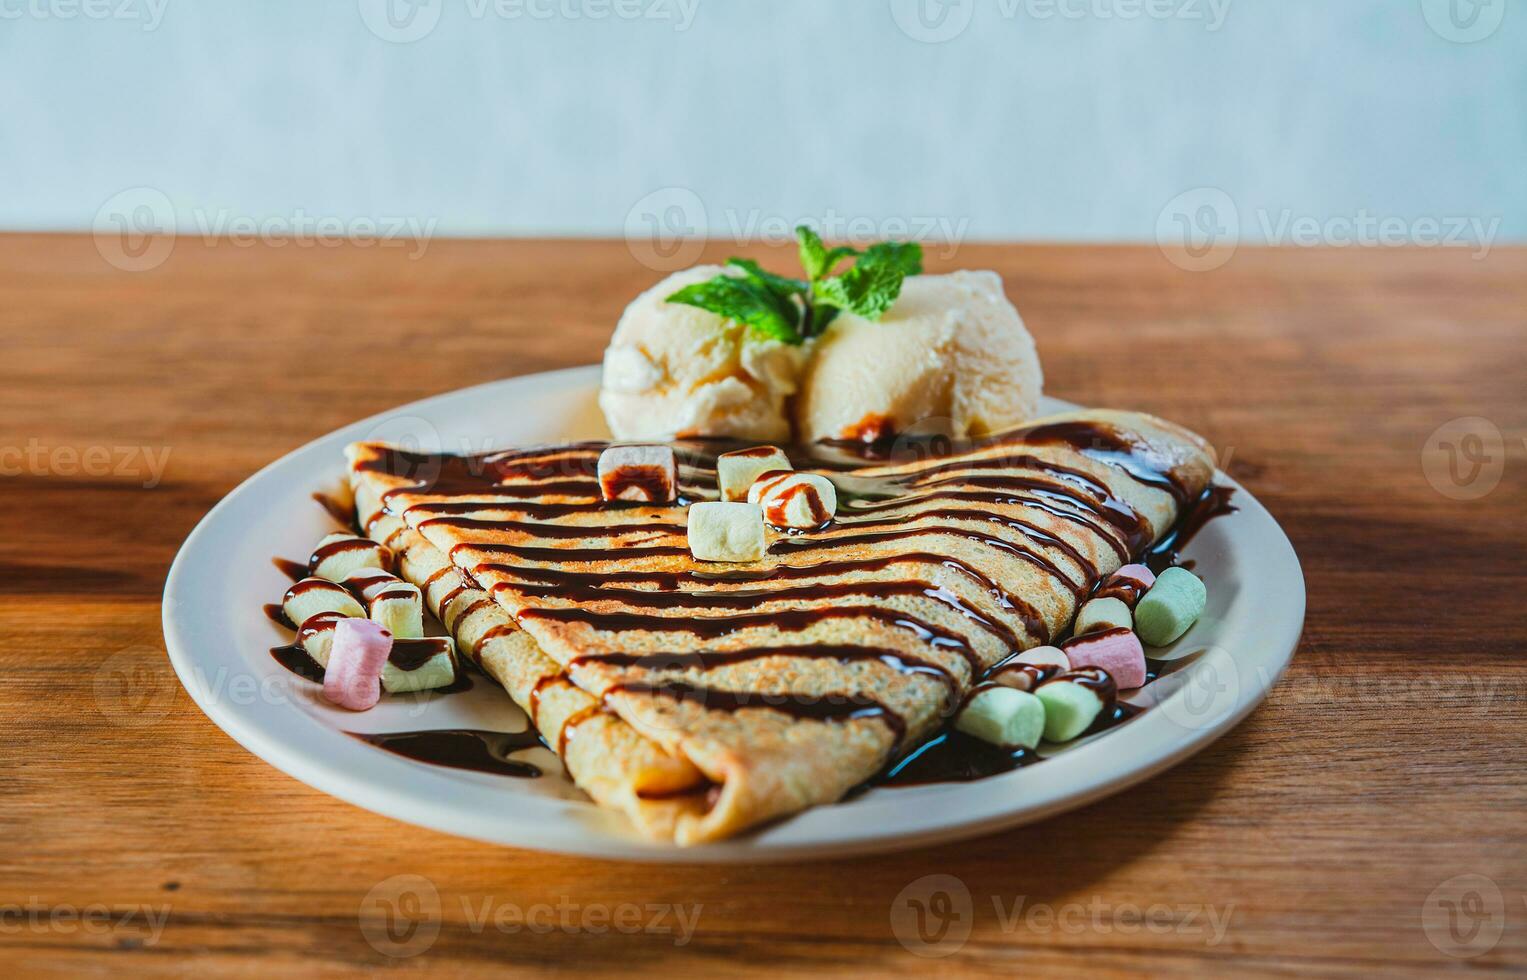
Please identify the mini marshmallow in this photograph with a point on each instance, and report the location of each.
(798, 500)
(317, 634)
(737, 471)
(1172, 605)
(1051, 656)
(396, 604)
(647, 474)
(419, 665)
(1072, 702)
(337, 555)
(726, 531)
(1117, 651)
(1127, 585)
(1029, 669)
(1003, 716)
(312, 596)
(1102, 614)
(352, 678)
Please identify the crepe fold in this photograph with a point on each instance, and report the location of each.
(612, 763)
(785, 683)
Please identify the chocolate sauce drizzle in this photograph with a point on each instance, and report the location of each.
(834, 708)
(462, 748)
(549, 483)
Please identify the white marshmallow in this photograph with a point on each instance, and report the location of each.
(736, 472)
(1027, 670)
(339, 554)
(1103, 614)
(799, 500)
(726, 531)
(1045, 656)
(396, 604)
(437, 669)
(648, 474)
(312, 596)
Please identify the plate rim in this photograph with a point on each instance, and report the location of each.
(577, 837)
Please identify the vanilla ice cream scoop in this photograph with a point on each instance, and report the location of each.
(952, 355)
(673, 370)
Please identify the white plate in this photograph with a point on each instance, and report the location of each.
(219, 641)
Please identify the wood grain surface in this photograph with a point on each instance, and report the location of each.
(1324, 835)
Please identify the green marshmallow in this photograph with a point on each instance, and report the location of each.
(1172, 605)
(1069, 709)
(1003, 716)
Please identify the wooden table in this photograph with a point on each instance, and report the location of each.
(1388, 761)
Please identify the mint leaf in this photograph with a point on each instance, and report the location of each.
(872, 285)
(866, 289)
(816, 258)
(906, 256)
(813, 252)
(766, 314)
(779, 285)
(775, 307)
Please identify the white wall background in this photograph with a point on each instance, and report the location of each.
(1048, 119)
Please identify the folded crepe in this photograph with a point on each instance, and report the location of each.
(752, 691)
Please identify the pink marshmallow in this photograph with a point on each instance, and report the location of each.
(1117, 651)
(1127, 585)
(353, 678)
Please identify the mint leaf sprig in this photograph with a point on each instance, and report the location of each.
(775, 307)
